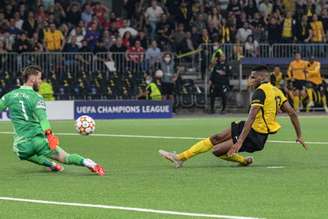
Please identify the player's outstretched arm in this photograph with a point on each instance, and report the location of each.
(45, 125)
(247, 127)
(286, 107)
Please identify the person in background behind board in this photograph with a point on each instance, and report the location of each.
(219, 82)
(154, 86)
(169, 77)
(46, 90)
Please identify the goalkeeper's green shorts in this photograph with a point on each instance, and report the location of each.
(37, 145)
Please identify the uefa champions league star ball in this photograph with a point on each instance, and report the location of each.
(85, 125)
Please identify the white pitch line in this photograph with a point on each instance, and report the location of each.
(276, 167)
(178, 213)
(294, 142)
(169, 137)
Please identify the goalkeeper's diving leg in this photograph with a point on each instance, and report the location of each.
(62, 156)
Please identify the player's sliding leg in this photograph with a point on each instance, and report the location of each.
(43, 161)
(198, 148)
(237, 158)
(74, 159)
(220, 150)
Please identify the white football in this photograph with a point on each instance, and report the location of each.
(85, 125)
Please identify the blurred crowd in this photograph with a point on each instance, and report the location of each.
(148, 34)
(152, 26)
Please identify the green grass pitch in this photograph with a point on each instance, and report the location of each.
(138, 177)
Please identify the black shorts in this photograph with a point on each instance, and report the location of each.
(254, 141)
(299, 84)
(167, 88)
(316, 87)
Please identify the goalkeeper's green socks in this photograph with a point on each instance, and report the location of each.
(78, 160)
(74, 159)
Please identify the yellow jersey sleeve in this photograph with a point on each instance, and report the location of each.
(280, 97)
(258, 98)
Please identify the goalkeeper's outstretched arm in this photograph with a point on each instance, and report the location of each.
(41, 114)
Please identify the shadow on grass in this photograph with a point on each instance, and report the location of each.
(46, 173)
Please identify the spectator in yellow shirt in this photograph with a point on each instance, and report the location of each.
(53, 39)
(318, 35)
(288, 28)
(46, 90)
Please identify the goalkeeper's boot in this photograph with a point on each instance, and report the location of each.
(171, 156)
(56, 168)
(249, 161)
(98, 170)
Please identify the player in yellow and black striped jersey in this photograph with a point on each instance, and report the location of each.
(315, 89)
(297, 75)
(277, 77)
(250, 135)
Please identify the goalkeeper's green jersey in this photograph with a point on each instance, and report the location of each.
(27, 111)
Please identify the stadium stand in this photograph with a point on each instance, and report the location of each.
(90, 51)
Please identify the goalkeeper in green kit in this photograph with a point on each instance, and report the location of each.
(34, 140)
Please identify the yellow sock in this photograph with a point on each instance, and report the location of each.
(200, 147)
(310, 96)
(296, 102)
(324, 100)
(235, 158)
(316, 97)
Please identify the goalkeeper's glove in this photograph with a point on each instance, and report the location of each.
(53, 141)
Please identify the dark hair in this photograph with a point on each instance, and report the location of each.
(30, 70)
(260, 68)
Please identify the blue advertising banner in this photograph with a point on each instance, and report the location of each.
(123, 109)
